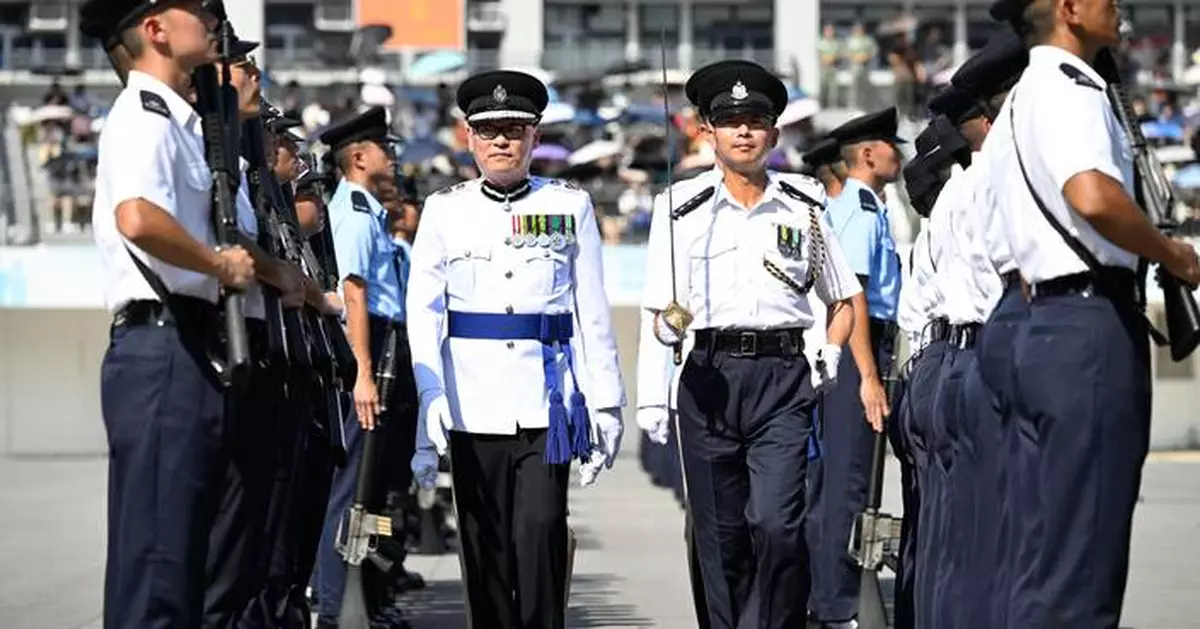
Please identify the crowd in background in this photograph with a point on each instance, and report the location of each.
(610, 140)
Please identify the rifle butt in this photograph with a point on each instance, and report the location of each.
(1183, 317)
(237, 342)
(354, 605)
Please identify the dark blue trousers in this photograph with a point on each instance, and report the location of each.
(1083, 396)
(398, 433)
(917, 427)
(957, 460)
(904, 615)
(989, 390)
(165, 417)
(237, 540)
(838, 491)
(744, 425)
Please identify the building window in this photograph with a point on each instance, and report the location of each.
(743, 31)
(658, 26)
(580, 37)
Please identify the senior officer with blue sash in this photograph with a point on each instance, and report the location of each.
(858, 220)
(510, 331)
(370, 284)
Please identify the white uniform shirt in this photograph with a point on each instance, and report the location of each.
(1064, 126)
(461, 261)
(720, 248)
(969, 285)
(255, 307)
(997, 146)
(919, 294)
(149, 149)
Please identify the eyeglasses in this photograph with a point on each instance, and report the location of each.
(490, 132)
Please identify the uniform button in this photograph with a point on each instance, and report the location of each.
(508, 275)
(468, 254)
(510, 345)
(508, 309)
(545, 254)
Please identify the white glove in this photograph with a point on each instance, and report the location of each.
(665, 333)
(435, 417)
(825, 367)
(590, 469)
(606, 430)
(425, 468)
(656, 421)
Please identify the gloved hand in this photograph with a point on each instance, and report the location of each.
(606, 430)
(666, 334)
(590, 469)
(435, 417)
(825, 368)
(425, 468)
(656, 421)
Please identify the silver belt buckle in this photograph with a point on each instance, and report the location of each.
(747, 344)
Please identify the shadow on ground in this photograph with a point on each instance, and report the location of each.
(594, 605)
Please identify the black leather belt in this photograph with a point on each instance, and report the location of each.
(752, 343)
(939, 330)
(963, 335)
(1115, 283)
(189, 311)
(883, 330)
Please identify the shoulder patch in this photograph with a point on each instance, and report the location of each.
(795, 193)
(453, 188)
(867, 201)
(1077, 75)
(691, 204)
(154, 103)
(360, 203)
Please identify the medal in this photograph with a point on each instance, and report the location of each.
(558, 242)
(543, 240)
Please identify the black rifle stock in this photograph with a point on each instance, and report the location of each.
(359, 528)
(1153, 193)
(216, 102)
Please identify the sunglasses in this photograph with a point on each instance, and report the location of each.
(490, 132)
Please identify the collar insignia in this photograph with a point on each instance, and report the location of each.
(739, 91)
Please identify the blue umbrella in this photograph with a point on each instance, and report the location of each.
(643, 113)
(437, 62)
(1187, 178)
(1157, 130)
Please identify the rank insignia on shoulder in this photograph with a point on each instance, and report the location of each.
(562, 183)
(553, 231)
(790, 241)
(691, 204)
(795, 193)
(452, 188)
(154, 103)
(1077, 75)
(867, 201)
(360, 203)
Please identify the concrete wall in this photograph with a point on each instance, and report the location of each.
(50, 384)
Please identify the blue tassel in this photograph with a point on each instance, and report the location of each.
(558, 439)
(581, 428)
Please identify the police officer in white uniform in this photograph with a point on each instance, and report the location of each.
(164, 407)
(974, 564)
(748, 248)
(514, 356)
(1082, 359)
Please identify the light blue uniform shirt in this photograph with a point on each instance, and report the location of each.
(858, 219)
(364, 248)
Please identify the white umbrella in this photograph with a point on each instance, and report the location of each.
(798, 110)
(558, 112)
(595, 151)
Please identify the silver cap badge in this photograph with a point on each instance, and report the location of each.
(499, 94)
(739, 91)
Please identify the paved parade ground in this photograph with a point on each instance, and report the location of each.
(629, 570)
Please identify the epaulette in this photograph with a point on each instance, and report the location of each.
(154, 103)
(795, 193)
(693, 203)
(867, 200)
(359, 201)
(454, 188)
(1077, 75)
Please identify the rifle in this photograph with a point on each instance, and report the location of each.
(216, 102)
(359, 529)
(875, 536)
(1153, 193)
